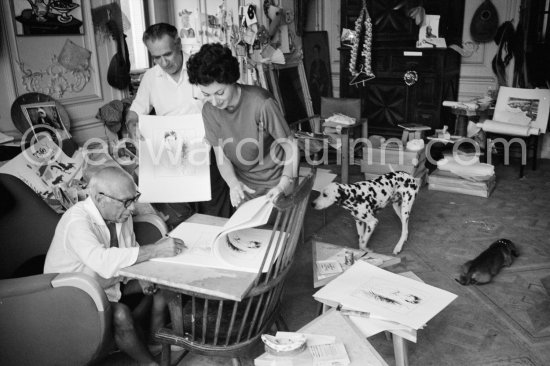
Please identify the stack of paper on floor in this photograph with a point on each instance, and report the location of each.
(445, 181)
(386, 297)
(467, 176)
(381, 160)
(237, 245)
(330, 261)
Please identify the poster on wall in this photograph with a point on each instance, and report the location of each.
(317, 66)
(47, 17)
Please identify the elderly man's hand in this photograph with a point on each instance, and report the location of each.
(169, 247)
(148, 288)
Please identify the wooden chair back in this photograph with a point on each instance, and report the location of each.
(219, 327)
(350, 107)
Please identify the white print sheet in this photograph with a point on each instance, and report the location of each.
(173, 159)
(237, 245)
(385, 295)
(322, 179)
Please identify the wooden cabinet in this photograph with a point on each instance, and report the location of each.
(387, 100)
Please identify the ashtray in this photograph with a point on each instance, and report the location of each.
(284, 345)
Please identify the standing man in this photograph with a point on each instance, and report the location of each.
(96, 237)
(166, 89)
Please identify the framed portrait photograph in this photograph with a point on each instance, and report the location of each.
(47, 17)
(524, 107)
(39, 115)
(317, 66)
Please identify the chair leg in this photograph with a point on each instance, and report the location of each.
(165, 355)
(535, 151)
(521, 170)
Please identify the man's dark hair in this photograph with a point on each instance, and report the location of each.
(213, 63)
(159, 30)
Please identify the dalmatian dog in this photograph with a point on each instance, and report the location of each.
(364, 199)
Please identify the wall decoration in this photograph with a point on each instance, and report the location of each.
(68, 72)
(317, 65)
(47, 17)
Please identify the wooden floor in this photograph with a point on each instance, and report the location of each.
(503, 323)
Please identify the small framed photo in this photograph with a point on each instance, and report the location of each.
(39, 115)
(428, 34)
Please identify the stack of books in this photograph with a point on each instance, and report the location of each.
(441, 180)
(376, 300)
(377, 161)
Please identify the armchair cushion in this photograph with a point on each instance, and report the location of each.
(43, 325)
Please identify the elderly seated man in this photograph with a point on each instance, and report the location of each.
(96, 237)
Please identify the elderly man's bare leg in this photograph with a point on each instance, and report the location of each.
(126, 336)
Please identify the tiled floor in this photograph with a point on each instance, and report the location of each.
(503, 323)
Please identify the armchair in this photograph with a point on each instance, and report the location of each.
(46, 319)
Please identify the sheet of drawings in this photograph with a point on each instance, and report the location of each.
(246, 248)
(43, 166)
(386, 295)
(173, 159)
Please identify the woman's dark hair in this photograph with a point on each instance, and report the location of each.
(213, 63)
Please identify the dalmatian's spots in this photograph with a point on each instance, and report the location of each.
(364, 199)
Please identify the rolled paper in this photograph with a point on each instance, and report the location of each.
(470, 106)
(466, 169)
(507, 128)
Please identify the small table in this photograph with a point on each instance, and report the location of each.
(359, 350)
(181, 278)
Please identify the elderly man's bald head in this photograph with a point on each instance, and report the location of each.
(112, 180)
(114, 193)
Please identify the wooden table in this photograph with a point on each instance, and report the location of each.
(186, 279)
(332, 323)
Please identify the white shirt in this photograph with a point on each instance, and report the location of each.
(169, 98)
(81, 243)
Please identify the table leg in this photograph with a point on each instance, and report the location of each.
(345, 156)
(176, 311)
(400, 350)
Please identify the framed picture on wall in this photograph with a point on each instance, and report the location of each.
(47, 17)
(317, 66)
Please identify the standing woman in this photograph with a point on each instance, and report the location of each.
(255, 150)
